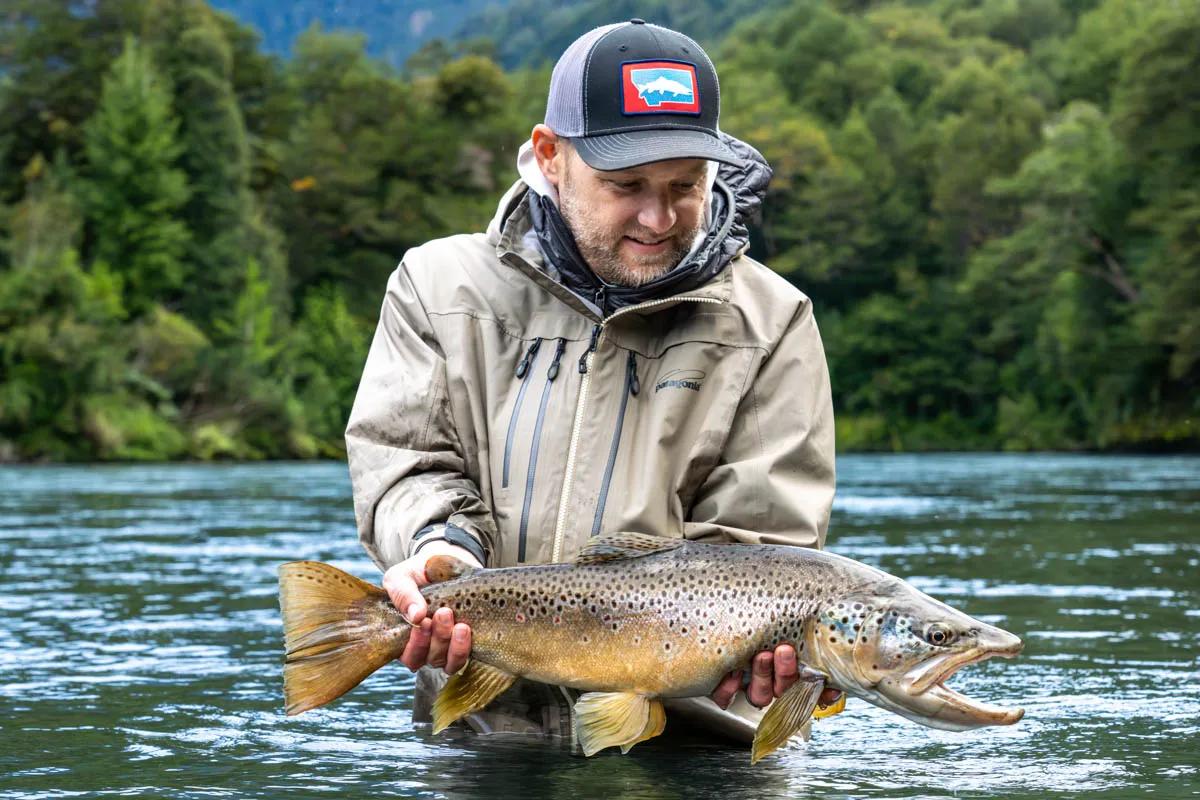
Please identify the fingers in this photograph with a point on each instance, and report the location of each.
(727, 688)
(786, 670)
(402, 583)
(761, 689)
(443, 627)
(460, 648)
(416, 652)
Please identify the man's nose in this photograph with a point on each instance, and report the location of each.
(657, 215)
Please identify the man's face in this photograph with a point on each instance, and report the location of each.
(633, 225)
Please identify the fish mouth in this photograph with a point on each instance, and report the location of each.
(928, 682)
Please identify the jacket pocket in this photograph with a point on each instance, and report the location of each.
(632, 387)
(524, 370)
(531, 475)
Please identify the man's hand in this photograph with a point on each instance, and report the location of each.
(771, 674)
(436, 641)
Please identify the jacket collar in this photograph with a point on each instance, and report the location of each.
(742, 190)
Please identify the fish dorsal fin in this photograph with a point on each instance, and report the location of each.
(616, 719)
(468, 690)
(787, 714)
(620, 546)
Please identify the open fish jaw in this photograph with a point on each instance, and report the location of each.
(929, 681)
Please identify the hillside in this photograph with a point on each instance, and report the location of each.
(991, 203)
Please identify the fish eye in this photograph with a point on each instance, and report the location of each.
(939, 635)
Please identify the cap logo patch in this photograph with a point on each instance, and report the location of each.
(659, 87)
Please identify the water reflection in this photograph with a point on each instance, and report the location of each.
(139, 642)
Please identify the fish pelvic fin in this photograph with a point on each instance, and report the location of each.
(621, 546)
(656, 722)
(786, 716)
(469, 689)
(337, 630)
(836, 707)
(616, 719)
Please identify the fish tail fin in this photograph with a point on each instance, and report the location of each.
(337, 630)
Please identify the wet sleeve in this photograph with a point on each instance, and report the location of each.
(774, 482)
(407, 467)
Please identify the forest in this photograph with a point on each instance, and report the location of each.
(994, 204)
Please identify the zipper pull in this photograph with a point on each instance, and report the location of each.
(552, 373)
(526, 360)
(635, 385)
(599, 299)
(591, 349)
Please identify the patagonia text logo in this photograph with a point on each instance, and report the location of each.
(680, 379)
(659, 87)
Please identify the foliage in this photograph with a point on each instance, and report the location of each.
(133, 190)
(993, 204)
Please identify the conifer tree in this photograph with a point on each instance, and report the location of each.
(227, 226)
(134, 192)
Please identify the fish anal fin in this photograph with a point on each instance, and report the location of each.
(442, 568)
(611, 719)
(469, 689)
(621, 546)
(786, 716)
(656, 722)
(836, 707)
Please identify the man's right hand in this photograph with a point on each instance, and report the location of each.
(436, 641)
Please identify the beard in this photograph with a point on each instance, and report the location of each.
(601, 247)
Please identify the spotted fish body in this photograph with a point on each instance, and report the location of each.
(636, 618)
(668, 624)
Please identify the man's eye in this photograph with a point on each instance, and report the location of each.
(685, 187)
(627, 186)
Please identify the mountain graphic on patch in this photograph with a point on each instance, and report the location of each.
(659, 87)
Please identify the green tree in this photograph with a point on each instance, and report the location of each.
(133, 192)
(224, 217)
(1156, 106)
(60, 346)
(52, 53)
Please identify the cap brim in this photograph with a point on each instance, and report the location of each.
(624, 150)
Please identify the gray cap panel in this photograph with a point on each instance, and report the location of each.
(564, 106)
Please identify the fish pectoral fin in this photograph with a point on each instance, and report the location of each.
(614, 719)
(621, 546)
(656, 721)
(786, 716)
(469, 689)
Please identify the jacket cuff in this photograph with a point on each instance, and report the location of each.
(446, 532)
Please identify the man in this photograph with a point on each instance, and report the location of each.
(604, 358)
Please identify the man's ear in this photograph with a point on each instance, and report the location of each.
(550, 152)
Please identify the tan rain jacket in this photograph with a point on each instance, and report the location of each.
(495, 399)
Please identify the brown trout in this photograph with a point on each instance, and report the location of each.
(636, 618)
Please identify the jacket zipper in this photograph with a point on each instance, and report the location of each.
(632, 387)
(585, 363)
(524, 370)
(551, 374)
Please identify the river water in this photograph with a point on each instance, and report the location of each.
(140, 642)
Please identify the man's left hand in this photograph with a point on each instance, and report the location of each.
(771, 674)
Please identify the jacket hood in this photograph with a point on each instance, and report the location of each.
(736, 199)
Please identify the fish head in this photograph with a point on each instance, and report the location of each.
(896, 648)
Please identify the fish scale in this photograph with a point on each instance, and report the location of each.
(636, 618)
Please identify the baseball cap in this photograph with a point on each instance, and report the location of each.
(634, 93)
